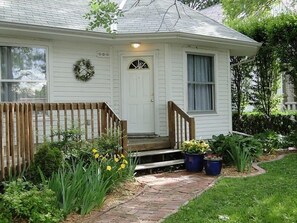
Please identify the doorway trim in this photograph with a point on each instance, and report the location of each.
(154, 55)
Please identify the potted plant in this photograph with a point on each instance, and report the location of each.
(194, 151)
(213, 164)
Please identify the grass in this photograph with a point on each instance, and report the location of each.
(267, 198)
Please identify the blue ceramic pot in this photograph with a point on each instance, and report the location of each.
(194, 162)
(213, 167)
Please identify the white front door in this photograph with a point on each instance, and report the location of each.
(138, 94)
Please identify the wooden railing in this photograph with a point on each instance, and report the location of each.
(290, 106)
(25, 125)
(181, 125)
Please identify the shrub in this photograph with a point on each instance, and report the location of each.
(290, 140)
(271, 141)
(22, 200)
(109, 143)
(255, 123)
(48, 159)
(236, 149)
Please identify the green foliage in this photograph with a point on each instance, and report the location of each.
(103, 13)
(115, 168)
(241, 81)
(270, 140)
(109, 143)
(277, 55)
(236, 149)
(254, 123)
(290, 140)
(265, 198)
(74, 149)
(49, 159)
(194, 146)
(241, 157)
(23, 200)
(200, 4)
(78, 188)
(235, 10)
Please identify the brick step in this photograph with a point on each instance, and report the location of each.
(147, 166)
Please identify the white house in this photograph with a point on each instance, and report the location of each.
(183, 56)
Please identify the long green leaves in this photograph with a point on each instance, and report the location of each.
(78, 188)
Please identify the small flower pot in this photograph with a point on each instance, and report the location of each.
(194, 162)
(213, 167)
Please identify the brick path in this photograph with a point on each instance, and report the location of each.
(163, 195)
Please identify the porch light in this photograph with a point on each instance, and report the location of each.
(135, 45)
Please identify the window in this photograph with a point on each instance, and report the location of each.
(201, 84)
(23, 75)
(138, 64)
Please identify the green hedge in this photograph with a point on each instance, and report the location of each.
(254, 123)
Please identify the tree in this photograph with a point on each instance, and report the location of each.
(103, 13)
(241, 68)
(200, 4)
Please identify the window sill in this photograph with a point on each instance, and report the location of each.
(197, 113)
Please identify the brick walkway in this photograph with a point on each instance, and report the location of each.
(163, 195)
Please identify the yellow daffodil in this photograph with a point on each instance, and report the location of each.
(116, 159)
(123, 166)
(94, 150)
(96, 155)
(108, 168)
(125, 161)
(122, 156)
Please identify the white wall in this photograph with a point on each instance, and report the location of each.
(170, 79)
(64, 87)
(206, 124)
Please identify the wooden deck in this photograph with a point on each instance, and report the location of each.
(148, 143)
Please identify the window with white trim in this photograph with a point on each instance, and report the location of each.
(201, 84)
(23, 74)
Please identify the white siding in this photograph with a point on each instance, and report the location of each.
(64, 87)
(170, 79)
(206, 124)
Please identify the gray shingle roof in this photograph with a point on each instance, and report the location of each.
(214, 12)
(146, 17)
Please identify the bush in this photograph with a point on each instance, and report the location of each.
(236, 149)
(109, 143)
(255, 123)
(290, 140)
(24, 201)
(271, 141)
(48, 159)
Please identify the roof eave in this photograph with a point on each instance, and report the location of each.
(236, 47)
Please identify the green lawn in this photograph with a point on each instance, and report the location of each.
(267, 198)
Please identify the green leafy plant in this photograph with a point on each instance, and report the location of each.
(103, 13)
(25, 201)
(241, 157)
(109, 143)
(194, 146)
(47, 158)
(78, 187)
(271, 141)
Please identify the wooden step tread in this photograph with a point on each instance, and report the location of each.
(154, 152)
(158, 164)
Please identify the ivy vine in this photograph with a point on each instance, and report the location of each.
(83, 70)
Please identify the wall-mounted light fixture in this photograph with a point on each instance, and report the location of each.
(135, 45)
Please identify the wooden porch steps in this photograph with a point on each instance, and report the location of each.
(154, 153)
(158, 164)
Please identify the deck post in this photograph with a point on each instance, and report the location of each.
(192, 128)
(124, 135)
(171, 124)
(104, 119)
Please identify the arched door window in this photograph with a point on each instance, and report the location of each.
(138, 65)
